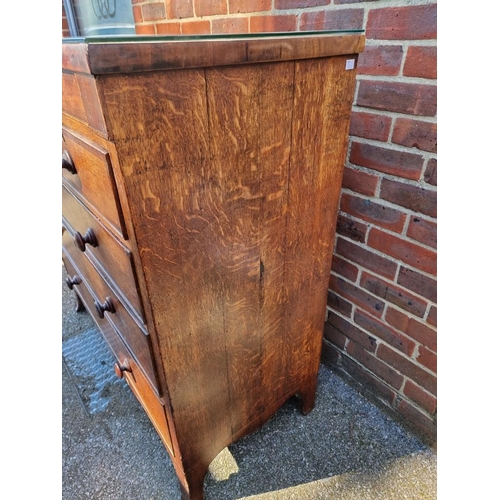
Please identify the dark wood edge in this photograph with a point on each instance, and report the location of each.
(74, 58)
(137, 56)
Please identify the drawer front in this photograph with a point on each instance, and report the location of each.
(135, 377)
(112, 258)
(107, 304)
(87, 168)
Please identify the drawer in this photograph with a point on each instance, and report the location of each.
(87, 168)
(110, 256)
(126, 366)
(107, 304)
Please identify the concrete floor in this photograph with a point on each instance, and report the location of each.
(345, 449)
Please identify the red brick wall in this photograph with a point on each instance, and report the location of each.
(381, 319)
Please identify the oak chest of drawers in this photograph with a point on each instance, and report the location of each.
(200, 186)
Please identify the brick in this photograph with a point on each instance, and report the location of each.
(334, 336)
(430, 175)
(344, 268)
(370, 126)
(352, 1)
(329, 355)
(384, 332)
(417, 22)
(347, 329)
(383, 371)
(236, 6)
(137, 11)
(426, 401)
(415, 134)
(356, 295)
(421, 62)
(373, 212)
(361, 182)
(397, 319)
(153, 11)
(367, 381)
(432, 316)
(197, 27)
(260, 24)
(145, 29)
(366, 258)
(422, 230)
(415, 329)
(350, 228)
(393, 294)
(418, 419)
(423, 334)
(334, 301)
(427, 358)
(341, 19)
(418, 283)
(408, 368)
(384, 60)
(179, 9)
(168, 28)
(230, 25)
(298, 4)
(389, 161)
(408, 98)
(410, 253)
(210, 7)
(415, 198)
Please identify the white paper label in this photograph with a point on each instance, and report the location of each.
(349, 64)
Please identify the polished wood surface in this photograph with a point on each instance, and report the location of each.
(227, 176)
(182, 53)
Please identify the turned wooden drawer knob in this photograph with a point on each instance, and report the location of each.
(120, 369)
(67, 163)
(71, 282)
(102, 307)
(89, 238)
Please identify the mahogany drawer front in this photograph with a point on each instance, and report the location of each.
(112, 257)
(136, 379)
(107, 304)
(87, 168)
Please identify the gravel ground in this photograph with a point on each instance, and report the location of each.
(345, 449)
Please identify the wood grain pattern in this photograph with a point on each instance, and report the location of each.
(181, 53)
(242, 196)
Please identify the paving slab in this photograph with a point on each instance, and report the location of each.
(345, 449)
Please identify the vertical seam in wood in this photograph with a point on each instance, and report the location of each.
(287, 213)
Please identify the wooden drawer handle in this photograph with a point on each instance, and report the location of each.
(107, 305)
(67, 163)
(71, 282)
(121, 369)
(89, 238)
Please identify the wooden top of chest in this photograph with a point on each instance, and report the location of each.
(138, 54)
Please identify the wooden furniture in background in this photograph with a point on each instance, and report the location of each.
(201, 179)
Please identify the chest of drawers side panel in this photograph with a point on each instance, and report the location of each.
(233, 176)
